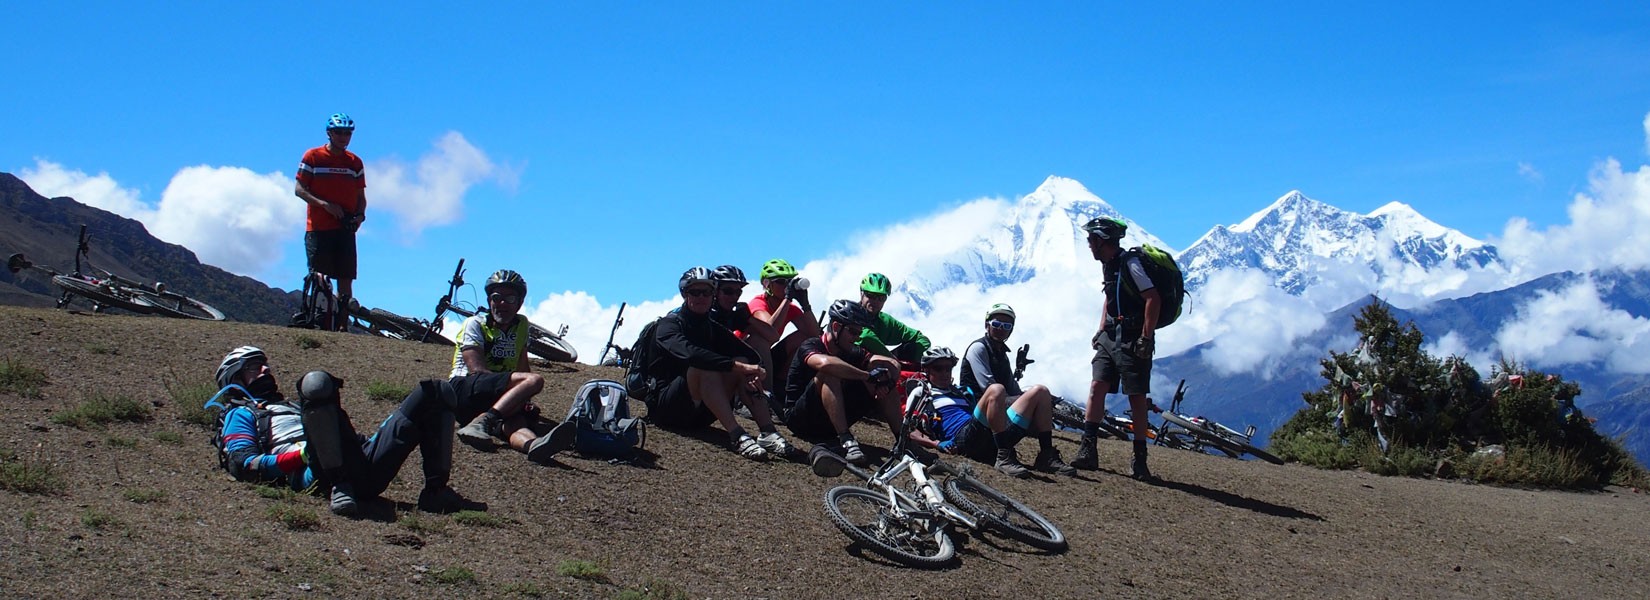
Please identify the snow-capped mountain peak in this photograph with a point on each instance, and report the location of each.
(1298, 241)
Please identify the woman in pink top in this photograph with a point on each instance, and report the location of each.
(778, 306)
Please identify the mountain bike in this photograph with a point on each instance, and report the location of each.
(104, 289)
(1200, 434)
(1069, 415)
(910, 523)
(387, 324)
(540, 342)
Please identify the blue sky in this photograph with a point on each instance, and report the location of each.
(604, 147)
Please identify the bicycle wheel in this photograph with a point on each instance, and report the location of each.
(866, 518)
(549, 347)
(1004, 514)
(101, 296)
(177, 305)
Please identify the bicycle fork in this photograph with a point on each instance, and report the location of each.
(932, 497)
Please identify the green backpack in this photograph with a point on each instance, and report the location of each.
(1166, 278)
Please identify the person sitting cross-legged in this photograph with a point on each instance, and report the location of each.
(310, 442)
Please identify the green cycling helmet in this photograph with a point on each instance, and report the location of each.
(778, 269)
(1106, 228)
(876, 283)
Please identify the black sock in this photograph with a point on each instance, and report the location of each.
(1045, 441)
(1091, 430)
(495, 413)
(1006, 438)
(1139, 447)
(737, 431)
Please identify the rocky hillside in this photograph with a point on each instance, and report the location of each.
(45, 230)
(141, 510)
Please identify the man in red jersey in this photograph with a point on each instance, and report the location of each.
(333, 182)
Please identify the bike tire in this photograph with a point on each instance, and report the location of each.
(178, 306)
(1004, 514)
(101, 296)
(548, 346)
(1208, 437)
(865, 517)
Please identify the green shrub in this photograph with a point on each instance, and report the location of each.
(21, 379)
(191, 403)
(275, 492)
(142, 495)
(100, 410)
(295, 518)
(307, 342)
(453, 575)
(98, 520)
(383, 391)
(28, 477)
(168, 437)
(581, 569)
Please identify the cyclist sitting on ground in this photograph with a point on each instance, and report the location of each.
(887, 336)
(495, 381)
(701, 366)
(832, 383)
(310, 442)
(1011, 412)
(779, 305)
(729, 312)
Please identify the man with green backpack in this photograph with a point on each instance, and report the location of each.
(1144, 290)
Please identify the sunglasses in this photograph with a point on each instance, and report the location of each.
(698, 292)
(503, 299)
(731, 291)
(1003, 325)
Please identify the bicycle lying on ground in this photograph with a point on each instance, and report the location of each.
(911, 523)
(104, 289)
(1201, 434)
(540, 342)
(1069, 415)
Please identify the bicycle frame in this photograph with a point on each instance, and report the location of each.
(902, 461)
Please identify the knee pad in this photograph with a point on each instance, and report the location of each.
(325, 439)
(318, 388)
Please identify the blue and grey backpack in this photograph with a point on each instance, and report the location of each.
(601, 413)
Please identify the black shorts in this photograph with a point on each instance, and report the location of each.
(1115, 363)
(809, 420)
(975, 441)
(671, 406)
(477, 393)
(331, 252)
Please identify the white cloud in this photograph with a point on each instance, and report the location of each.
(1647, 133)
(1252, 323)
(1606, 228)
(229, 217)
(52, 180)
(1574, 326)
(1530, 173)
(431, 193)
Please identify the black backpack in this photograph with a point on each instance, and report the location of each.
(1166, 278)
(637, 379)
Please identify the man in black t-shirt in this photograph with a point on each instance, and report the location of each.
(832, 383)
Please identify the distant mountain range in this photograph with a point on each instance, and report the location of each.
(46, 229)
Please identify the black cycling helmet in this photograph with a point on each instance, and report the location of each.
(1106, 228)
(695, 275)
(728, 274)
(936, 354)
(508, 278)
(850, 313)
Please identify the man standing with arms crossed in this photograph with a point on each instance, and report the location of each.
(333, 182)
(1123, 345)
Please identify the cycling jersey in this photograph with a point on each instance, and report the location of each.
(888, 332)
(336, 178)
(986, 362)
(788, 313)
(501, 349)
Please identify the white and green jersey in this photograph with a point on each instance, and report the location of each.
(502, 349)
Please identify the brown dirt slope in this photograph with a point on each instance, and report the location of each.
(707, 523)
